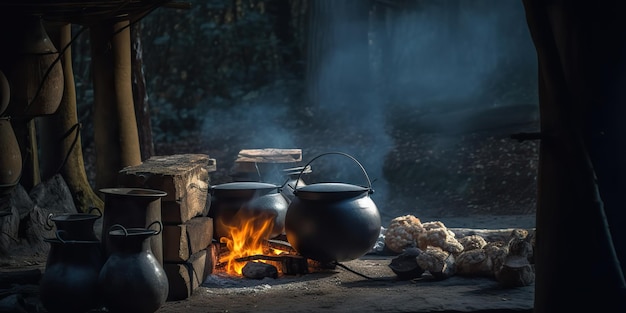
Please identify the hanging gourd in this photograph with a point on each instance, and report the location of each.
(36, 76)
(4, 93)
(10, 157)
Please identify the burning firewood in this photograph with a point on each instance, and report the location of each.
(259, 270)
(288, 264)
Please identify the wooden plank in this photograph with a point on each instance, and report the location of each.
(269, 155)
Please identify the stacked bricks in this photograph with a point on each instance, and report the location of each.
(189, 255)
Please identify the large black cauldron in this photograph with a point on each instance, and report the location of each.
(333, 222)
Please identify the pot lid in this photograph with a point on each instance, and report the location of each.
(330, 191)
(247, 185)
(332, 187)
(74, 217)
(243, 189)
(133, 232)
(134, 192)
(75, 242)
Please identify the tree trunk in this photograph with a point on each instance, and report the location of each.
(60, 136)
(575, 87)
(115, 127)
(140, 96)
(337, 73)
(26, 134)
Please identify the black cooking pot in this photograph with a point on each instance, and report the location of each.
(231, 202)
(333, 222)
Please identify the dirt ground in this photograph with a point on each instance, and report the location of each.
(341, 290)
(366, 284)
(480, 179)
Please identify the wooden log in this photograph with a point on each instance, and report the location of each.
(490, 235)
(199, 233)
(288, 264)
(175, 243)
(281, 245)
(178, 212)
(183, 240)
(185, 178)
(259, 270)
(184, 278)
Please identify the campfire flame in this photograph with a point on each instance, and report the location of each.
(247, 238)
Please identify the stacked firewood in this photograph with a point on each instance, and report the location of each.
(189, 255)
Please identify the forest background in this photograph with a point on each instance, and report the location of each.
(406, 86)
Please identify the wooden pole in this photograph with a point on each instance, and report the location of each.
(115, 128)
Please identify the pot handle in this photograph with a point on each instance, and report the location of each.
(369, 182)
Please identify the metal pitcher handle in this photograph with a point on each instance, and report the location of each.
(95, 209)
(156, 223)
(114, 226)
(58, 235)
(369, 182)
(49, 225)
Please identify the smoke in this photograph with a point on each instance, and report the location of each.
(435, 58)
(453, 56)
(252, 125)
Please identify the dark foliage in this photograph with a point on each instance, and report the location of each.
(432, 63)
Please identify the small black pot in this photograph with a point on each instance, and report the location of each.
(232, 201)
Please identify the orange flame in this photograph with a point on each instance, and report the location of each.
(246, 239)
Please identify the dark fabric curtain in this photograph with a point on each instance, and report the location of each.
(581, 213)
